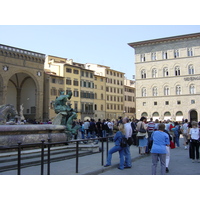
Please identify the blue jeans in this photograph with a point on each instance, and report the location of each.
(177, 139)
(92, 134)
(121, 156)
(127, 156)
(103, 133)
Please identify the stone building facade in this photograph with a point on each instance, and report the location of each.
(22, 80)
(168, 77)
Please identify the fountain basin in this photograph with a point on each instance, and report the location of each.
(12, 134)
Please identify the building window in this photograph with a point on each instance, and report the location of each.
(177, 71)
(76, 93)
(153, 56)
(178, 102)
(192, 89)
(143, 73)
(69, 70)
(164, 54)
(142, 57)
(76, 106)
(53, 80)
(75, 82)
(76, 71)
(144, 103)
(155, 91)
(192, 101)
(155, 103)
(68, 81)
(166, 102)
(190, 52)
(154, 73)
(176, 53)
(165, 72)
(82, 73)
(144, 92)
(191, 69)
(178, 89)
(166, 90)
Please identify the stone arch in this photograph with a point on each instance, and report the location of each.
(34, 108)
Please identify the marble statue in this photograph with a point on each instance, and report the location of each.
(7, 113)
(21, 112)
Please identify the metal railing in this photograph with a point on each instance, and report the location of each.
(48, 144)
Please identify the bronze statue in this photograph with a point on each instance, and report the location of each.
(67, 113)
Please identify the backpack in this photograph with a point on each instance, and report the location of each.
(123, 142)
(130, 141)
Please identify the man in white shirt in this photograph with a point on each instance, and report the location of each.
(128, 133)
(86, 128)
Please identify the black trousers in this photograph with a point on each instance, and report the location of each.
(195, 149)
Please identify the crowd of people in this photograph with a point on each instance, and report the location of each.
(158, 139)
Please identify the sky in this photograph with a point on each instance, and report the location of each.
(98, 44)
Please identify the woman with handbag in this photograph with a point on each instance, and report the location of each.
(142, 135)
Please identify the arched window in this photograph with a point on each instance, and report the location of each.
(177, 71)
(192, 89)
(155, 114)
(179, 113)
(155, 91)
(166, 90)
(144, 114)
(167, 114)
(165, 72)
(191, 69)
(143, 74)
(178, 89)
(154, 73)
(144, 92)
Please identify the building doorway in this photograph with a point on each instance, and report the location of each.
(193, 116)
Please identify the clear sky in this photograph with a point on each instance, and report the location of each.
(99, 44)
(94, 31)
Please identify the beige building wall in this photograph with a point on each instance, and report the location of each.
(167, 77)
(129, 98)
(99, 97)
(114, 90)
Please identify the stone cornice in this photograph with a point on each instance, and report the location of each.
(21, 54)
(164, 40)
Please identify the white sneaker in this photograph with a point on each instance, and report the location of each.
(186, 148)
(193, 160)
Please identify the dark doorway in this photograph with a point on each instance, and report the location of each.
(193, 116)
